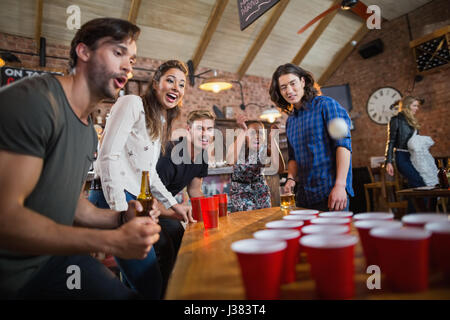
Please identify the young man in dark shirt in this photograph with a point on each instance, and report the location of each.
(47, 144)
(183, 165)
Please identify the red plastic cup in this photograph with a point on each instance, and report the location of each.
(307, 212)
(305, 218)
(223, 204)
(283, 224)
(440, 246)
(332, 268)
(419, 220)
(336, 214)
(325, 229)
(373, 216)
(291, 236)
(261, 263)
(300, 217)
(338, 221)
(196, 208)
(368, 243)
(210, 212)
(404, 255)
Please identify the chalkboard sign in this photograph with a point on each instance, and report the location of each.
(250, 10)
(11, 74)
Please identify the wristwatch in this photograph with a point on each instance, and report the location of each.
(292, 180)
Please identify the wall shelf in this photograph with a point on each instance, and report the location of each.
(432, 52)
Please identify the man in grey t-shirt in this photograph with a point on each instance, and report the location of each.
(47, 143)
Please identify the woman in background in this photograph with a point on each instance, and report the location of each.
(400, 129)
(249, 189)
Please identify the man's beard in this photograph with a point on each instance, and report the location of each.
(100, 80)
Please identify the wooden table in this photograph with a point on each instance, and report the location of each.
(207, 268)
(415, 195)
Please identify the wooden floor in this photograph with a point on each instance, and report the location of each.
(207, 268)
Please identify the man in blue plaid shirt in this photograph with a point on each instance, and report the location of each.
(319, 167)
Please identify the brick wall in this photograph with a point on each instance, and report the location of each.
(395, 67)
(256, 89)
(57, 55)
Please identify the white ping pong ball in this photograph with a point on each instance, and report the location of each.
(337, 128)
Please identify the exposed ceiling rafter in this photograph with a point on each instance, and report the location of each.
(265, 32)
(343, 54)
(134, 9)
(38, 23)
(208, 31)
(315, 35)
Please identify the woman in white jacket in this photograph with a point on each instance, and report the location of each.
(422, 159)
(137, 129)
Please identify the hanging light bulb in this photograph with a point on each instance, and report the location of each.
(215, 84)
(215, 88)
(270, 114)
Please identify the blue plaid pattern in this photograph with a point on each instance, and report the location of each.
(310, 145)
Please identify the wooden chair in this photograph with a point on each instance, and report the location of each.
(381, 188)
(374, 186)
(389, 187)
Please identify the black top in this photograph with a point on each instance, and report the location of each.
(36, 119)
(399, 132)
(176, 170)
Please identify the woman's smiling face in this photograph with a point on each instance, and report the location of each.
(170, 88)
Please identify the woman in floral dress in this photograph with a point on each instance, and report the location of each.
(249, 190)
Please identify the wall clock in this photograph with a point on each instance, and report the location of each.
(381, 105)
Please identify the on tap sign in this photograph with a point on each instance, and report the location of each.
(250, 10)
(11, 74)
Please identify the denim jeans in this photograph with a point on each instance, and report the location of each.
(142, 275)
(96, 281)
(167, 247)
(406, 168)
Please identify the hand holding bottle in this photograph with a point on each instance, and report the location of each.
(134, 239)
(135, 209)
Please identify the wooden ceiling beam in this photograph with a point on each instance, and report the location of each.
(265, 32)
(38, 23)
(315, 35)
(134, 8)
(208, 31)
(343, 54)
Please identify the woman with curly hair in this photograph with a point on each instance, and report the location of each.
(135, 133)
